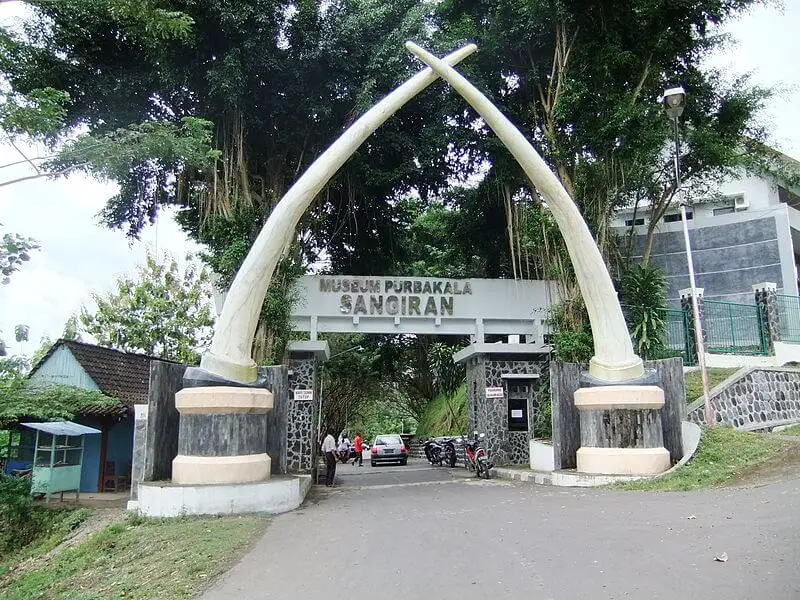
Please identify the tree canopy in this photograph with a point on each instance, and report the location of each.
(164, 312)
(217, 107)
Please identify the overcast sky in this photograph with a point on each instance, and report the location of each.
(79, 257)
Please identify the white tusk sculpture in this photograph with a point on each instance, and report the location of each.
(614, 358)
(229, 356)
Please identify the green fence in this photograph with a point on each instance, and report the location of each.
(789, 318)
(678, 335)
(734, 328)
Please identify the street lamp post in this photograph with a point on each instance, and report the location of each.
(674, 102)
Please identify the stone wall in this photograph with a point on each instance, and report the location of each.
(163, 420)
(753, 398)
(301, 421)
(490, 415)
(276, 379)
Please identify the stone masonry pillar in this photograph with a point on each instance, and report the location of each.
(305, 359)
(222, 435)
(766, 295)
(688, 309)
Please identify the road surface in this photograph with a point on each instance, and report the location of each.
(420, 533)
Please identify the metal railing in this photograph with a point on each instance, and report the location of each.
(734, 328)
(789, 318)
(677, 338)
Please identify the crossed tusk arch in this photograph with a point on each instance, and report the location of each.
(229, 356)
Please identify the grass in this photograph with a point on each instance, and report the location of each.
(57, 524)
(791, 431)
(444, 415)
(139, 559)
(723, 453)
(694, 383)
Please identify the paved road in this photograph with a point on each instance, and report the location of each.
(465, 539)
(415, 472)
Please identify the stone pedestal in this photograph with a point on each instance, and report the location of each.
(621, 430)
(222, 435)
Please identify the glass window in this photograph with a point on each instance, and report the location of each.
(677, 217)
(631, 222)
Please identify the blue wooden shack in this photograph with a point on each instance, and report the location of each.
(122, 375)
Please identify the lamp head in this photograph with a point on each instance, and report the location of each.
(674, 101)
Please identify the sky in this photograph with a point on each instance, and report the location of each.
(79, 257)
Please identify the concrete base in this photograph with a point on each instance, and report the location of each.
(542, 457)
(279, 494)
(623, 461)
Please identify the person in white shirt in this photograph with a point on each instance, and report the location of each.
(329, 451)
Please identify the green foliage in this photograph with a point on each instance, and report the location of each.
(572, 339)
(19, 400)
(14, 251)
(146, 160)
(164, 312)
(446, 414)
(39, 114)
(643, 290)
(448, 375)
(723, 452)
(22, 523)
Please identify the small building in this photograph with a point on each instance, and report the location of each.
(125, 376)
(745, 232)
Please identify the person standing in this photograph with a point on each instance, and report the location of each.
(358, 446)
(329, 451)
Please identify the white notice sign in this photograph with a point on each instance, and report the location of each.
(516, 414)
(304, 395)
(494, 392)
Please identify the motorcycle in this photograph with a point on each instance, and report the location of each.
(442, 451)
(475, 456)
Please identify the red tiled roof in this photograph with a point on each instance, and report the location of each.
(121, 375)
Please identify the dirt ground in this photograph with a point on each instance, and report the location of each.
(784, 467)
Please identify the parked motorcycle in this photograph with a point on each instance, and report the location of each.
(441, 452)
(475, 456)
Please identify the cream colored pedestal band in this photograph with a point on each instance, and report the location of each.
(619, 397)
(207, 470)
(623, 461)
(223, 400)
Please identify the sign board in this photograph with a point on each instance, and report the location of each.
(516, 414)
(379, 304)
(304, 395)
(495, 392)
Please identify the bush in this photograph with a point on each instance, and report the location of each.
(22, 522)
(444, 415)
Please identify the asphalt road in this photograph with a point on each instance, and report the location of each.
(447, 537)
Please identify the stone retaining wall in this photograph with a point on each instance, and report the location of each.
(753, 398)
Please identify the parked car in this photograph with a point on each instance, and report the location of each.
(389, 449)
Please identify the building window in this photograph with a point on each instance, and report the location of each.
(631, 222)
(674, 217)
(518, 393)
(724, 210)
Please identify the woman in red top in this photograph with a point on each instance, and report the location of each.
(358, 447)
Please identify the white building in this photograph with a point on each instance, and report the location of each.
(748, 233)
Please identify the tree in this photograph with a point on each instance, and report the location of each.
(164, 312)
(14, 252)
(277, 84)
